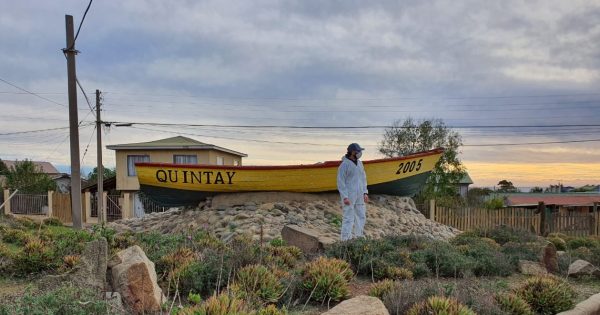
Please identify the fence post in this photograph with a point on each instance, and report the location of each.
(50, 192)
(542, 210)
(432, 209)
(87, 197)
(104, 207)
(7, 201)
(126, 208)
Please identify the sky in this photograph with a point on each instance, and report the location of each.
(313, 63)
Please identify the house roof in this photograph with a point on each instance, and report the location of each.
(173, 143)
(466, 179)
(552, 199)
(46, 167)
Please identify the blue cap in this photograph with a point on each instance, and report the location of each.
(355, 147)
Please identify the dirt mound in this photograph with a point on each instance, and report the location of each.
(266, 213)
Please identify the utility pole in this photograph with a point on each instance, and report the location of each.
(100, 167)
(70, 53)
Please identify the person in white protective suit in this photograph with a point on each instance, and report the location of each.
(352, 185)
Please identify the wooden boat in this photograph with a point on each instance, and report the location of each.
(178, 184)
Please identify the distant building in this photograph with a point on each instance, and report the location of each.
(180, 150)
(463, 185)
(559, 202)
(62, 180)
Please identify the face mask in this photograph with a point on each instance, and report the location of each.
(358, 155)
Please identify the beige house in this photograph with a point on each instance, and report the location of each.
(180, 150)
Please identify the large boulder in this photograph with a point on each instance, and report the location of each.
(89, 273)
(531, 268)
(591, 306)
(360, 305)
(134, 277)
(308, 240)
(581, 267)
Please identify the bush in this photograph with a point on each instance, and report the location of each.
(282, 256)
(157, 245)
(203, 276)
(381, 288)
(257, 285)
(522, 251)
(558, 242)
(15, 236)
(52, 222)
(277, 242)
(70, 261)
(68, 242)
(33, 258)
(504, 234)
(440, 305)
(488, 260)
(578, 242)
(271, 310)
(398, 273)
(444, 260)
(327, 278)
(221, 304)
(513, 304)
(27, 222)
(64, 300)
(547, 295)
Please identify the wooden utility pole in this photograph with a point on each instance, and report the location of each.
(100, 167)
(70, 53)
(543, 218)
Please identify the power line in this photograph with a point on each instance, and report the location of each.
(88, 145)
(345, 127)
(529, 143)
(87, 100)
(34, 94)
(32, 131)
(80, 24)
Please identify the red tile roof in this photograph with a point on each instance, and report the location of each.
(554, 199)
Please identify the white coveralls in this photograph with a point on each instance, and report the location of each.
(352, 184)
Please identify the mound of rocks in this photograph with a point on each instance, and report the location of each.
(263, 215)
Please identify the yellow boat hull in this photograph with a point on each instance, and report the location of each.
(164, 182)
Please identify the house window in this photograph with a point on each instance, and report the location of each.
(220, 160)
(132, 159)
(236, 163)
(185, 159)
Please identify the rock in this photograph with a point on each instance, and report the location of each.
(560, 253)
(591, 306)
(360, 305)
(115, 303)
(532, 268)
(550, 258)
(134, 277)
(308, 240)
(581, 267)
(90, 272)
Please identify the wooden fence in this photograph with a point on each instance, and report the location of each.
(470, 218)
(61, 207)
(573, 223)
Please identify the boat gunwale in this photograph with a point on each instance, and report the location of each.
(327, 164)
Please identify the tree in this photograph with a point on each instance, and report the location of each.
(410, 136)
(28, 178)
(3, 168)
(536, 190)
(107, 172)
(506, 186)
(476, 196)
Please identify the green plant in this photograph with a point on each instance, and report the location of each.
(522, 251)
(547, 294)
(101, 230)
(398, 273)
(282, 256)
(578, 242)
(327, 278)
(558, 242)
(336, 220)
(437, 305)
(203, 276)
(64, 300)
(223, 304)
(52, 222)
(493, 204)
(157, 245)
(70, 261)
(257, 285)
(513, 304)
(33, 258)
(487, 257)
(15, 236)
(271, 310)
(194, 298)
(277, 242)
(503, 234)
(444, 260)
(381, 288)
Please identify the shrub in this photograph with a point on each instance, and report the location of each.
(558, 242)
(157, 245)
(70, 261)
(27, 222)
(504, 234)
(221, 304)
(398, 273)
(440, 305)
(64, 300)
(381, 288)
(257, 285)
(525, 251)
(123, 241)
(68, 242)
(194, 298)
(203, 276)
(271, 310)
(277, 242)
(547, 295)
(177, 260)
(513, 304)
(578, 242)
(52, 222)
(444, 260)
(15, 236)
(34, 257)
(282, 256)
(488, 260)
(582, 253)
(327, 278)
